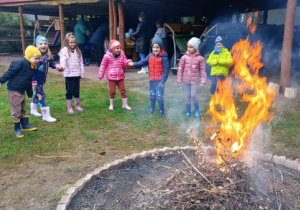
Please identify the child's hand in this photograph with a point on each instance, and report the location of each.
(202, 84)
(130, 64)
(30, 100)
(60, 68)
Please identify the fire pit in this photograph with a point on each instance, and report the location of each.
(173, 178)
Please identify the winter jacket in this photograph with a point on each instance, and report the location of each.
(113, 65)
(158, 66)
(142, 38)
(19, 76)
(79, 31)
(39, 76)
(191, 69)
(71, 63)
(100, 34)
(220, 62)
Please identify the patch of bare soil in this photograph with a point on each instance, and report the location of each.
(176, 181)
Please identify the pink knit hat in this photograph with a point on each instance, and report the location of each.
(114, 44)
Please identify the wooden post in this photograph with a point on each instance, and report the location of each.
(111, 21)
(61, 25)
(22, 30)
(286, 58)
(121, 25)
(115, 19)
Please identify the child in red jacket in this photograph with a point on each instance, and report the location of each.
(114, 61)
(191, 72)
(158, 73)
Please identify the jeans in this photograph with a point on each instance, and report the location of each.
(214, 80)
(142, 56)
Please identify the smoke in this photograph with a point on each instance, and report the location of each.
(260, 139)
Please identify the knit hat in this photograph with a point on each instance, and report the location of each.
(195, 42)
(127, 35)
(32, 51)
(39, 39)
(157, 40)
(114, 44)
(219, 39)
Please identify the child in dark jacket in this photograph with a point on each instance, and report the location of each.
(19, 76)
(39, 79)
(191, 72)
(158, 73)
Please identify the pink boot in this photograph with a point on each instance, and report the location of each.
(111, 105)
(69, 106)
(124, 104)
(77, 105)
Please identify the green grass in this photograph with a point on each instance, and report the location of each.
(95, 130)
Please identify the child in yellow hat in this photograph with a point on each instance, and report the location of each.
(19, 76)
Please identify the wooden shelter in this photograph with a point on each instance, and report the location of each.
(170, 10)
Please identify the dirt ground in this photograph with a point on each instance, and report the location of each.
(39, 183)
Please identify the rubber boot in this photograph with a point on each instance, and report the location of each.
(188, 110)
(34, 110)
(111, 105)
(25, 125)
(77, 105)
(161, 108)
(152, 109)
(142, 71)
(125, 104)
(46, 115)
(69, 106)
(197, 114)
(18, 131)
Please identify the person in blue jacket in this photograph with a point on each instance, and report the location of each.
(98, 40)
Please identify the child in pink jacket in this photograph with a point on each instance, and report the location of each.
(114, 62)
(191, 72)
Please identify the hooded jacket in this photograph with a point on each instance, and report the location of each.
(191, 69)
(79, 31)
(142, 37)
(220, 62)
(158, 66)
(71, 63)
(113, 65)
(19, 76)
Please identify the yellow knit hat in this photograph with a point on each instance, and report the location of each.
(31, 51)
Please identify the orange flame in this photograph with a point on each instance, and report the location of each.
(236, 129)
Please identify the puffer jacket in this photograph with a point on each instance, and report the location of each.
(113, 65)
(79, 31)
(191, 69)
(71, 63)
(220, 62)
(142, 37)
(158, 66)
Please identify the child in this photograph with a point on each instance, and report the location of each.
(39, 80)
(161, 33)
(19, 76)
(71, 60)
(219, 59)
(191, 72)
(158, 73)
(114, 61)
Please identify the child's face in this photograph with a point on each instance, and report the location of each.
(34, 59)
(42, 46)
(191, 49)
(72, 43)
(219, 45)
(117, 50)
(155, 49)
(157, 25)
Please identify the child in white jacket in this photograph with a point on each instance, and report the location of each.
(71, 60)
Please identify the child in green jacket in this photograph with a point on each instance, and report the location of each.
(219, 59)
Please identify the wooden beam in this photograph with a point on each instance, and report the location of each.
(22, 29)
(16, 28)
(115, 18)
(8, 39)
(111, 21)
(286, 58)
(62, 25)
(121, 25)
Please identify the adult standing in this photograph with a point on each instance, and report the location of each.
(142, 40)
(79, 32)
(98, 39)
